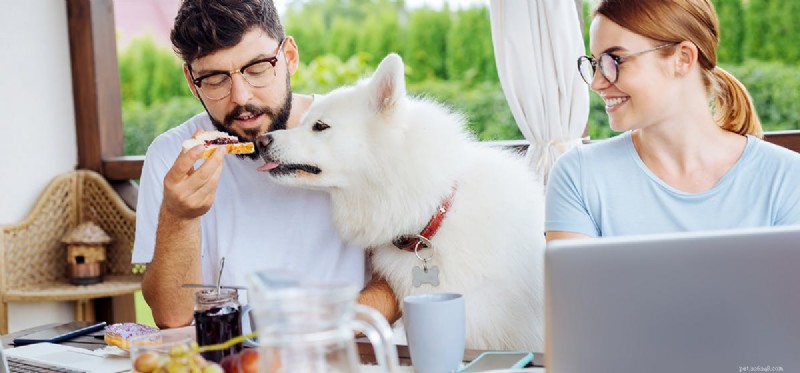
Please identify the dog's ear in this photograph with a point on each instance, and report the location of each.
(388, 84)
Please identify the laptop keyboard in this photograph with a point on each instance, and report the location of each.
(16, 365)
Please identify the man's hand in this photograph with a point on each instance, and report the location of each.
(189, 193)
(380, 296)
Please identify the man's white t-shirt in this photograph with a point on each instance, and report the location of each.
(254, 223)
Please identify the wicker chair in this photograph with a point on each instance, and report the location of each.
(33, 266)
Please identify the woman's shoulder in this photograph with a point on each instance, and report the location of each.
(765, 151)
(594, 157)
(602, 149)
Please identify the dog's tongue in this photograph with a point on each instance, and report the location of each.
(268, 166)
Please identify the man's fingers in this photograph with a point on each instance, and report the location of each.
(208, 180)
(205, 173)
(184, 164)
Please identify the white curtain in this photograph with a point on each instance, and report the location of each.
(537, 44)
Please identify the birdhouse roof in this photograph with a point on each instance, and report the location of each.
(87, 233)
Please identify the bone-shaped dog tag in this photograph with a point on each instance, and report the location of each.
(421, 276)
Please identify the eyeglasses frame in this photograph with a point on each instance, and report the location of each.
(617, 61)
(272, 61)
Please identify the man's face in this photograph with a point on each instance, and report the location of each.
(247, 110)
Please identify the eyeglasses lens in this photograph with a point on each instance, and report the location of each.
(218, 86)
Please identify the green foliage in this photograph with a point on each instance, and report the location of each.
(598, 119)
(587, 22)
(309, 34)
(328, 72)
(149, 73)
(435, 44)
(426, 49)
(337, 26)
(775, 88)
(784, 31)
(380, 35)
(345, 37)
(142, 123)
(757, 25)
(470, 39)
(731, 46)
(483, 104)
(155, 96)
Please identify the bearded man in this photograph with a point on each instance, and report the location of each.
(191, 213)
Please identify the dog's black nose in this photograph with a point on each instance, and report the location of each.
(263, 141)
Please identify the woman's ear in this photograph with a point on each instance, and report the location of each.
(685, 57)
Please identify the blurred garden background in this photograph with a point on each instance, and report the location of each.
(449, 57)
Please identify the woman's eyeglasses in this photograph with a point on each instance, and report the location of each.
(608, 64)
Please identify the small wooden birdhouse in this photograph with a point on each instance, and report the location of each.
(86, 252)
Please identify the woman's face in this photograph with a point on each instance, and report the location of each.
(643, 93)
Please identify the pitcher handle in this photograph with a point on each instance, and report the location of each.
(377, 329)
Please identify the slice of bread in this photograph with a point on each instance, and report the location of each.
(233, 148)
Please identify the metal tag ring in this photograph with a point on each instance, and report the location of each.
(428, 245)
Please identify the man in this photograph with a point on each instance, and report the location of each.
(191, 214)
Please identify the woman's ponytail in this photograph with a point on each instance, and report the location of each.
(733, 106)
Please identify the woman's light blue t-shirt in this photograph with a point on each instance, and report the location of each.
(604, 189)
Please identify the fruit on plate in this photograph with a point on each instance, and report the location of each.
(180, 358)
(243, 362)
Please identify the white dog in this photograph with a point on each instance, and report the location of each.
(390, 162)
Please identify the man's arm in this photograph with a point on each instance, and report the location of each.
(380, 296)
(561, 235)
(176, 261)
(188, 194)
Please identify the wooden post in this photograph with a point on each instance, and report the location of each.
(95, 82)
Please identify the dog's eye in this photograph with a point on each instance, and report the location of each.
(320, 126)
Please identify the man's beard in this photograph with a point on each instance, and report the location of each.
(279, 118)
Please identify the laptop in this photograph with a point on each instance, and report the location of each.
(720, 301)
(49, 357)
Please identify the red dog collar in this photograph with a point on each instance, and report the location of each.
(409, 242)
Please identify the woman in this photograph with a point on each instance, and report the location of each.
(690, 156)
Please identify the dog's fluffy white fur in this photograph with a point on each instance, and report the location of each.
(388, 161)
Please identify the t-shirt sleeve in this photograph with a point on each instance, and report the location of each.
(151, 188)
(565, 207)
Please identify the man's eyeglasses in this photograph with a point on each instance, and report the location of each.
(608, 64)
(217, 84)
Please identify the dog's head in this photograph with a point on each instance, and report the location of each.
(333, 145)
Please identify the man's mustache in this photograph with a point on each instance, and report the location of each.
(249, 108)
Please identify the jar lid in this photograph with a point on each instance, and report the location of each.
(207, 296)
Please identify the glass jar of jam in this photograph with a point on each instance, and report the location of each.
(217, 319)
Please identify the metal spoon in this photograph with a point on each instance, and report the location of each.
(219, 276)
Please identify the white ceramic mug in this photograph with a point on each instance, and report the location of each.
(434, 325)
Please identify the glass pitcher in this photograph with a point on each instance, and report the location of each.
(307, 328)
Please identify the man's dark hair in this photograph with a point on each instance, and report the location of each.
(203, 27)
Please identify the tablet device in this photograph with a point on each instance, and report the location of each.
(495, 360)
(58, 333)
